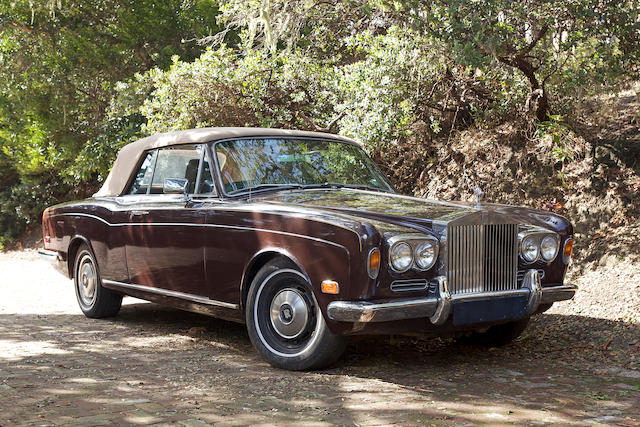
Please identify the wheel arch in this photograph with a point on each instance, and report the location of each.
(257, 262)
(74, 244)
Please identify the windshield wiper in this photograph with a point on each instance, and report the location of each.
(280, 187)
(338, 185)
(263, 187)
(365, 187)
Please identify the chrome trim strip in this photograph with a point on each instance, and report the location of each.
(495, 294)
(174, 294)
(186, 224)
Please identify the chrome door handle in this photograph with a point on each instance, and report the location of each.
(138, 213)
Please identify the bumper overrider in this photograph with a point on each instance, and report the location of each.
(438, 309)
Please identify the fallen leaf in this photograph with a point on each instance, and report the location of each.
(607, 344)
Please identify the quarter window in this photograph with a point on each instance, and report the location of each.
(142, 179)
(176, 162)
(206, 178)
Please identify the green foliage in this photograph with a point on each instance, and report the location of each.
(541, 40)
(95, 160)
(21, 204)
(223, 88)
(80, 79)
(555, 130)
(59, 64)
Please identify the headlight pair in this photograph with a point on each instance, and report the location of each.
(539, 245)
(407, 251)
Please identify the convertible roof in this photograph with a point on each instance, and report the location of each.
(130, 155)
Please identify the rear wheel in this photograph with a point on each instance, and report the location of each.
(285, 323)
(94, 300)
(497, 335)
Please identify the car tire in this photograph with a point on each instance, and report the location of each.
(497, 335)
(285, 323)
(94, 300)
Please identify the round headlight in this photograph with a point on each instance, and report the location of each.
(529, 249)
(401, 256)
(425, 255)
(549, 248)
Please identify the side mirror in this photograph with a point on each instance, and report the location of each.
(176, 186)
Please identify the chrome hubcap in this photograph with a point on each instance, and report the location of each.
(289, 313)
(87, 281)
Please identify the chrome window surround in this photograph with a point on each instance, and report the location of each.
(538, 233)
(413, 240)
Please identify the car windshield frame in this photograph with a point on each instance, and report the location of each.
(293, 186)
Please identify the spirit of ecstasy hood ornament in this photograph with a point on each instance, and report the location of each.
(479, 196)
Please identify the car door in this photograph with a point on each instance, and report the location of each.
(164, 234)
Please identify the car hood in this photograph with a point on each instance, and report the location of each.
(384, 210)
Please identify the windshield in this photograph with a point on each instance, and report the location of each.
(250, 164)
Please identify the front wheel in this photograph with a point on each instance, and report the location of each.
(94, 300)
(284, 321)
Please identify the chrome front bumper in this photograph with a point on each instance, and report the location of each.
(438, 309)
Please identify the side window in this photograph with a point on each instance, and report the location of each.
(142, 179)
(183, 162)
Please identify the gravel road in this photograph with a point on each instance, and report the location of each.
(579, 363)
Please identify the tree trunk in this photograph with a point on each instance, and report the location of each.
(542, 107)
(538, 102)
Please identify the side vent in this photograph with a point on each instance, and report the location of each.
(409, 285)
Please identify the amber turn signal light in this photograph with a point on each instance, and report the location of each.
(567, 251)
(373, 263)
(330, 287)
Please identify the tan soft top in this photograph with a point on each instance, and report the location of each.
(130, 155)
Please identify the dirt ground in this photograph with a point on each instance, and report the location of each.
(576, 364)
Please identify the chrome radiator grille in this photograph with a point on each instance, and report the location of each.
(482, 258)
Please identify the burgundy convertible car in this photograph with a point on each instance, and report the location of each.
(300, 236)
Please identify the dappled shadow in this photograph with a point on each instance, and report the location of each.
(625, 151)
(154, 364)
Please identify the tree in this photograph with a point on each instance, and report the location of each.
(59, 62)
(537, 38)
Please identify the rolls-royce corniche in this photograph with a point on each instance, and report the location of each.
(301, 236)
